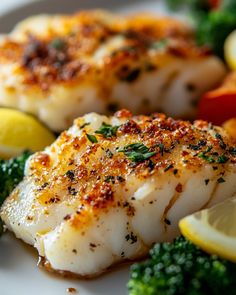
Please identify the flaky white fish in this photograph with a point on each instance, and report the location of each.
(111, 187)
(61, 67)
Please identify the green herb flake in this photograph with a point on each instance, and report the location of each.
(222, 159)
(92, 138)
(221, 142)
(84, 125)
(137, 152)
(159, 45)
(232, 151)
(109, 153)
(58, 44)
(162, 148)
(209, 159)
(168, 167)
(109, 179)
(220, 180)
(107, 130)
(120, 178)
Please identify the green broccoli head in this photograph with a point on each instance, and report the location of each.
(181, 268)
(192, 4)
(213, 29)
(11, 173)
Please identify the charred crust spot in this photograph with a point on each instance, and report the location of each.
(72, 191)
(53, 200)
(130, 127)
(67, 217)
(70, 174)
(71, 290)
(123, 114)
(58, 57)
(179, 188)
(101, 196)
(167, 221)
(131, 238)
(42, 159)
(50, 62)
(92, 247)
(30, 218)
(95, 176)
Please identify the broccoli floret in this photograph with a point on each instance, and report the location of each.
(213, 29)
(192, 4)
(212, 25)
(181, 268)
(11, 173)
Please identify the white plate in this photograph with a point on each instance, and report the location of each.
(19, 274)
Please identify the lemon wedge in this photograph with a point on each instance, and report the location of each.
(19, 132)
(230, 50)
(214, 229)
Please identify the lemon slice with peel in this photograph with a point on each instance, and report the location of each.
(230, 50)
(214, 229)
(19, 132)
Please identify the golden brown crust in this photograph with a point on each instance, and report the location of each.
(66, 57)
(103, 167)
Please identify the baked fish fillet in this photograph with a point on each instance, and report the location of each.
(61, 67)
(111, 187)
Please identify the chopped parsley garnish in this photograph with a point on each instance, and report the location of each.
(168, 167)
(159, 45)
(58, 44)
(197, 146)
(162, 148)
(109, 179)
(92, 138)
(151, 165)
(109, 153)
(221, 142)
(209, 159)
(107, 130)
(131, 237)
(120, 178)
(222, 159)
(137, 152)
(84, 125)
(232, 151)
(220, 180)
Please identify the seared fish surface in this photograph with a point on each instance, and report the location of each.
(111, 187)
(61, 67)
